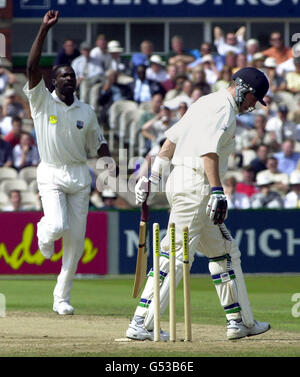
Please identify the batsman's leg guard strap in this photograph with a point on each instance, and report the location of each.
(233, 308)
(144, 303)
(223, 277)
(221, 257)
(164, 254)
(162, 274)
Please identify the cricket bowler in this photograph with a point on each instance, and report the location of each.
(67, 134)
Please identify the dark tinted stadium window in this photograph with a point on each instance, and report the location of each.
(192, 34)
(21, 44)
(62, 31)
(263, 30)
(152, 32)
(112, 32)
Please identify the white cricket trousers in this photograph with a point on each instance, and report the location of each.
(65, 192)
(188, 196)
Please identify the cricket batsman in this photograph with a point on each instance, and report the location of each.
(198, 146)
(67, 134)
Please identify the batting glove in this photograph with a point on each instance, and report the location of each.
(141, 190)
(217, 205)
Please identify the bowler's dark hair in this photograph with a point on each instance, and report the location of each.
(57, 69)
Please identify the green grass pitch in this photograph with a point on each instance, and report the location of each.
(270, 297)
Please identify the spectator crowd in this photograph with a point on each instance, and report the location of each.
(264, 171)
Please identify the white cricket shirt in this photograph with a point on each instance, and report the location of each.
(65, 134)
(208, 126)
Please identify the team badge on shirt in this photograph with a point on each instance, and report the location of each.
(79, 124)
(52, 119)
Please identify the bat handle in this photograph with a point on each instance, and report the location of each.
(145, 212)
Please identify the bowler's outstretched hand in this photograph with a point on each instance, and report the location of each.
(50, 18)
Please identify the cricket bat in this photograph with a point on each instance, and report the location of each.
(141, 262)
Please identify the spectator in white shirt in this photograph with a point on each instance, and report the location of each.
(115, 50)
(280, 180)
(266, 198)
(258, 60)
(15, 105)
(211, 72)
(88, 72)
(276, 82)
(198, 77)
(184, 96)
(292, 199)
(288, 159)
(235, 199)
(283, 128)
(15, 202)
(231, 42)
(156, 71)
(259, 135)
(179, 81)
(289, 64)
(155, 128)
(182, 108)
(6, 78)
(5, 123)
(100, 52)
(252, 47)
(25, 153)
(143, 89)
(143, 171)
(241, 62)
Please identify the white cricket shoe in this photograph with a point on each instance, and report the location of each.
(237, 330)
(63, 308)
(139, 332)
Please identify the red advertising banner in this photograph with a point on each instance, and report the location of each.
(19, 251)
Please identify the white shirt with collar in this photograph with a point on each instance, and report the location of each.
(142, 91)
(208, 126)
(238, 201)
(32, 158)
(223, 47)
(174, 103)
(65, 134)
(159, 76)
(93, 68)
(102, 58)
(292, 200)
(5, 125)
